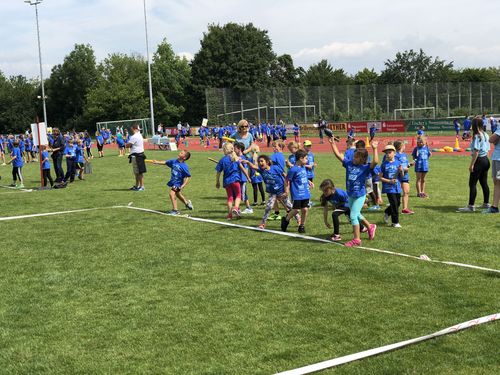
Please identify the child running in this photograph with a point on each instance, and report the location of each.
(231, 168)
(390, 172)
(340, 202)
(357, 170)
(299, 186)
(274, 178)
(421, 155)
(178, 180)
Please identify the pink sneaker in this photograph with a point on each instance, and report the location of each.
(353, 243)
(335, 237)
(407, 211)
(364, 230)
(371, 231)
(237, 213)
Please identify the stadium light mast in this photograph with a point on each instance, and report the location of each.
(149, 73)
(35, 3)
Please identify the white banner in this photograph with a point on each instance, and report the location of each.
(43, 133)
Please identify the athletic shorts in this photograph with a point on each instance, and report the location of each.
(175, 188)
(99, 147)
(301, 204)
(79, 165)
(495, 169)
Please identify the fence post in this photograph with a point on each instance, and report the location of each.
(481, 96)
(491, 98)
(437, 98)
(412, 102)
(375, 100)
(206, 101)
(459, 95)
(274, 104)
(258, 107)
(242, 111)
(361, 100)
(470, 97)
(388, 112)
(400, 97)
(348, 101)
(334, 103)
(305, 110)
(225, 103)
(319, 99)
(290, 102)
(448, 97)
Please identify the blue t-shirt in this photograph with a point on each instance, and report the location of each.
(278, 159)
(18, 161)
(356, 178)
(310, 161)
(496, 150)
(375, 174)
(46, 163)
(69, 151)
(373, 130)
(292, 159)
(299, 183)
(179, 172)
(79, 154)
(390, 170)
(231, 170)
(100, 139)
(349, 154)
(274, 179)
(296, 130)
(421, 156)
(467, 124)
(403, 159)
(339, 199)
(481, 144)
(255, 176)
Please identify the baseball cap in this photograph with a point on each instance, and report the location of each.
(389, 148)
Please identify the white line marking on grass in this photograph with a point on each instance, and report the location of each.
(14, 188)
(296, 235)
(371, 352)
(52, 213)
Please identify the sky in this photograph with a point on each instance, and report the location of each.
(351, 35)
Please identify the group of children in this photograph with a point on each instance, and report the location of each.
(288, 182)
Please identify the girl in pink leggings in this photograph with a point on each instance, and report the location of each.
(232, 169)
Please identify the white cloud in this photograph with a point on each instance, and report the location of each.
(340, 50)
(187, 55)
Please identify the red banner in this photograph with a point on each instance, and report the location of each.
(382, 126)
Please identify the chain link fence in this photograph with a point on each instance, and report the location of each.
(353, 102)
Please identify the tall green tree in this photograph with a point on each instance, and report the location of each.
(366, 77)
(282, 72)
(478, 75)
(120, 92)
(171, 78)
(68, 86)
(18, 103)
(416, 67)
(323, 74)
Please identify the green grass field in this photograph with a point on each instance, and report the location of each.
(124, 291)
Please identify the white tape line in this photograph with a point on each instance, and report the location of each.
(368, 353)
(51, 213)
(296, 235)
(14, 188)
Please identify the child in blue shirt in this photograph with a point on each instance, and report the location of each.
(339, 200)
(405, 177)
(274, 178)
(46, 166)
(376, 189)
(357, 170)
(391, 171)
(80, 158)
(421, 155)
(299, 186)
(16, 159)
(256, 179)
(296, 132)
(238, 149)
(293, 147)
(277, 156)
(373, 131)
(100, 143)
(179, 178)
(70, 154)
(231, 167)
(310, 160)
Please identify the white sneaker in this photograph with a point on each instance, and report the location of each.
(189, 205)
(467, 209)
(397, 225)
(386, 218)
(247, 210)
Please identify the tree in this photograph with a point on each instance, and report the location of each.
(416, 67)
(68, 86)
(282, 72)
(18, 106)
(171, 77)
(120, 92)
(233, 56)
(323, 74)
(478, 75)
(366, 77)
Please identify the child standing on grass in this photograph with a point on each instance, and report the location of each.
(80, 158)
(376, 190)
(293, 147)
(299, 186)
(46, 166)
(340, 202)
(256, 178)
(277, 156)
(70, 154)
(179, 178)
(17, 165)
(244, 178)
(310, 160)
(390, 173)
(421, 155)
(357, 170)
(405, 178)
(274, 178)
(231, 168)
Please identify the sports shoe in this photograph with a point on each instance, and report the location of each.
(255, 204)
(237, 212)
(371, 231)
(134, 188)
(3, 164)
(485, 205)
(247, 210)
(229, 217)
(13, 184)
(189, 205)
(397, 225)
(262, 226)
(407, 211)
(20, 186)
(275, 217)
(374, 208)
(302, 229)
(140, 188)
(353, 243)
(491, 210)
(363, 229)
(386, 218)
(173, 212)
(284, 223)
(467, 209)
(335, 237)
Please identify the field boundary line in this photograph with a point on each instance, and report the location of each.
(372, 352)
(7, 218)
(14, 188)
(296, 235)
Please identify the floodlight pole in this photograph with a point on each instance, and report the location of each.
(149, 74)
(35, 3)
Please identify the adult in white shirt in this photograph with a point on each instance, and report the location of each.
(137, 157)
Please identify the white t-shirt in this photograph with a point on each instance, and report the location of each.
(137, 143)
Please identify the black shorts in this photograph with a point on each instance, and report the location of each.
(79, 165)
(175, 188)
(301, 204)
(99, 147)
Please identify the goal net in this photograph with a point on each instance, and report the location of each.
(144, 125)
(420, 112)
